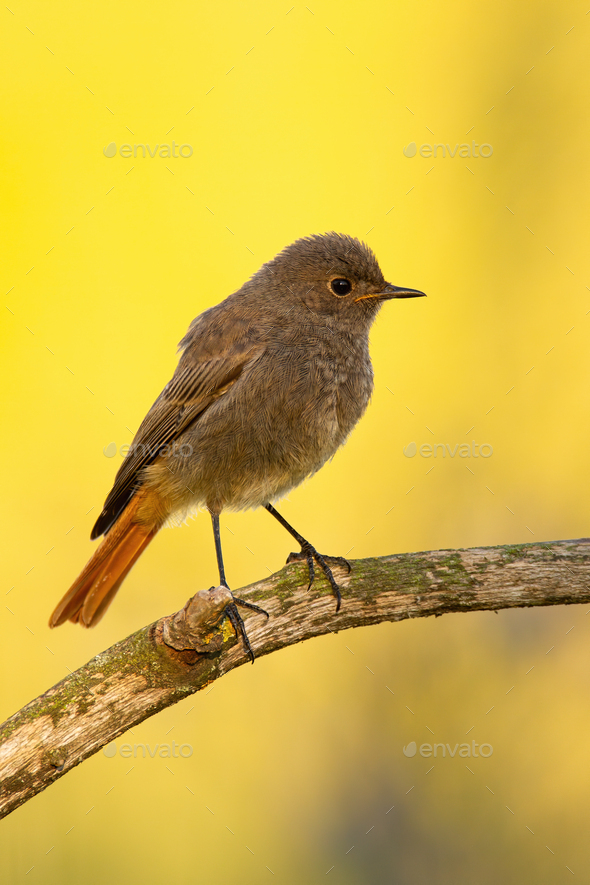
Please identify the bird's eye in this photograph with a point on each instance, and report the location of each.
(341, 287)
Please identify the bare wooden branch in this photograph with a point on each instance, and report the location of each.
(184, 652)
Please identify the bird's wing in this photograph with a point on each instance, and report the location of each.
(196, 384)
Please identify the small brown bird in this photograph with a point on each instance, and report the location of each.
(270, 383)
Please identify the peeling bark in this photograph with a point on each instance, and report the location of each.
(184, 652)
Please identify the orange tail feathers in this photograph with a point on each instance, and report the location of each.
(94, 589)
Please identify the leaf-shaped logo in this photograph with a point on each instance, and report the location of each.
(111, 150)
(410, 750)
(110, 451)
(410, 149)
(410, 450)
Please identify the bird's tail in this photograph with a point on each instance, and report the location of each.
(94, 589)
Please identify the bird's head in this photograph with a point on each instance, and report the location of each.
(333, 275)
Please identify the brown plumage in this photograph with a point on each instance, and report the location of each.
(270, 383)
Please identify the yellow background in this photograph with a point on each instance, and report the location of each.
(298, 119)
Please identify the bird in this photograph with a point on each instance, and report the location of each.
(269, 384)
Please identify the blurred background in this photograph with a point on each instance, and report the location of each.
(297, 119)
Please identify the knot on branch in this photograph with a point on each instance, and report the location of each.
(199, 625)
(56, 757)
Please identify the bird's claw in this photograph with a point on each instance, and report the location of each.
(310, 555)
(251, 606)
(237, 621)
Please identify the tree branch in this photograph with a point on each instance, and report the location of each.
(184, 652)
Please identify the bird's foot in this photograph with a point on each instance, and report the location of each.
(237, 621)
(310, 555)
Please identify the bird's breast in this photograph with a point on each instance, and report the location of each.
(331, 378)
(285, 416)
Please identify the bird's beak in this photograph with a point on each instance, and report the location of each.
(393, 292)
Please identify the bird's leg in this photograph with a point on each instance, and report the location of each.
(218, 550)
(232, 609)
(311, 555)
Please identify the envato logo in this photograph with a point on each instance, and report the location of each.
(131, 150)
(173, 450)
(428, 750)
(165, 751)
(433, 151)
(429, 450)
